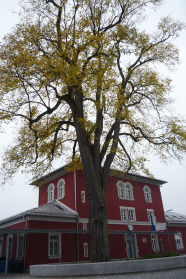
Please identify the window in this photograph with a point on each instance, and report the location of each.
(10, 246)
(85, 248)
(61, 189)
(84, 226)
(127, 213)
(155, 245)
(125, 190)
(179, 242)
(51, 188)
(128, 191)
(83, 196)
(151, 217)
(1, 247)
(54, 245)
(20, 245)
(147, 194)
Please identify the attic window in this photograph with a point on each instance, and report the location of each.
(58, 206)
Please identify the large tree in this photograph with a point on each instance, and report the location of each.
(82, 77)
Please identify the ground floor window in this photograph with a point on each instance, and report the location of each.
(155, 244)
(1, 247)
(179, 242)
(85, 247)
(20, 246)
(10, 242)
(54, 245)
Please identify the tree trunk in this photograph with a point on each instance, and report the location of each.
(98, 228)
(98, 223)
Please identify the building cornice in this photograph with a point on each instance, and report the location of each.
(115, 173)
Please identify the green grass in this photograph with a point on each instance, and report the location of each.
(152, 256)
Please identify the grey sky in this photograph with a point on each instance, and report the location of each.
(17, 195)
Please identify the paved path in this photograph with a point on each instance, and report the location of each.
(165, 274)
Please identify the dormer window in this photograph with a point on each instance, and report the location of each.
(125, 190)
(61, 189)
(147, 194)
(51, 188)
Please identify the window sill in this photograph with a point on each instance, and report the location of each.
(126, 199)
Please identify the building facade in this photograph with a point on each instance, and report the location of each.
(57, 230)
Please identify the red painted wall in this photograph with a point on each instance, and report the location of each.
(69, 198)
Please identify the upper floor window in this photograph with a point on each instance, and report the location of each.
(147, 194)
(83, 196)
(61, 189)
(179, 241)
(151, 216)
(127, 213)
(125, 190)
(50, 190)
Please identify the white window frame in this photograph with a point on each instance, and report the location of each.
(125, 190)
(85, 250)
(155, 243)
(151, 212)
(20, 249)
(84, 226)
(1, 246)
(58, 241)
(129, 186)
(147, 194)
(83, 197)
(179, 241)
(61, 189)
(125, 213)
(50, 191)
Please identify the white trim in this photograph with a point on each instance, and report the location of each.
(135, 223)
(84, 226)
(122, 190)
(59, 246)
(154, 242)
(147, 190)
(179, 241)
(85, 250)
(127, 212)
(83, 200)
(50, 191)
(61, 189)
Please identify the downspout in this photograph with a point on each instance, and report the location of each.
(25, 238)
(77, 224)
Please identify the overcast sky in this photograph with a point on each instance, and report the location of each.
(17, 196)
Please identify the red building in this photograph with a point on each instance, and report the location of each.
(57, 230)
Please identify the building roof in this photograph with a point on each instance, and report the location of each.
(52, 209)
(135, 177)
(173, 217)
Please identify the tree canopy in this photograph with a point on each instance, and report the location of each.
(82, 78)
